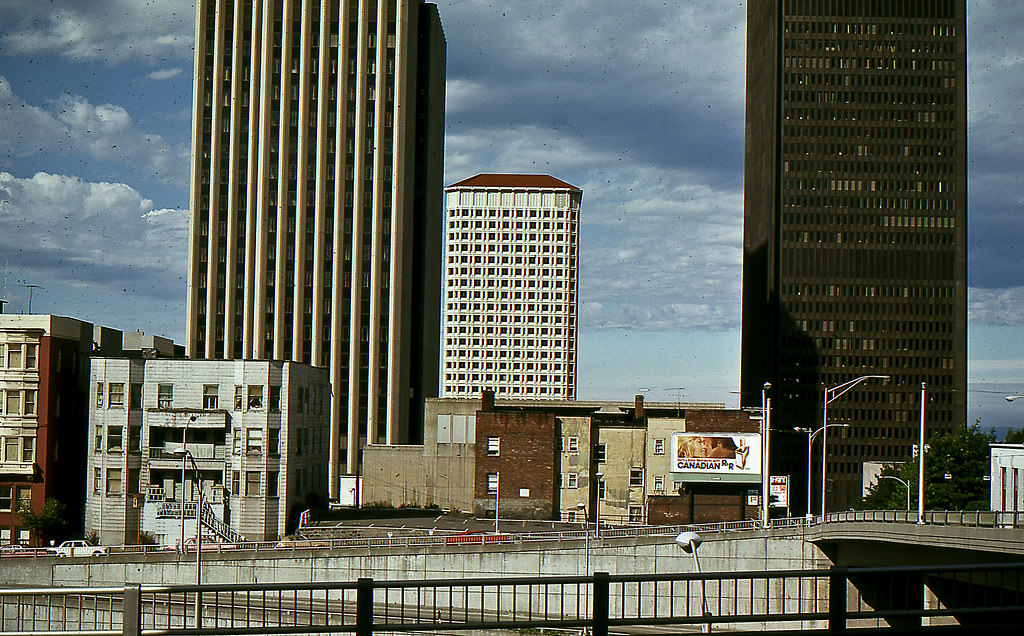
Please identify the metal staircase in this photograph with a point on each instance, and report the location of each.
(211, 523)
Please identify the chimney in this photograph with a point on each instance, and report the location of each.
(487, 400)
(638, 407)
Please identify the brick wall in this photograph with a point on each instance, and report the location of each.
(527, 463)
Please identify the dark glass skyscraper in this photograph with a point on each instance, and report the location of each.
(855, 213)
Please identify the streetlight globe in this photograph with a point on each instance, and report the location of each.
(688, 541)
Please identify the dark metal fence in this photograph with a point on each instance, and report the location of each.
(832, 599)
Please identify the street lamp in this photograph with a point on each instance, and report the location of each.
(765, 432)
(689, 542)
(184, 444)
(830, 395)
(810, 441)
(187, 454)
(905, 485)
(1011, 398)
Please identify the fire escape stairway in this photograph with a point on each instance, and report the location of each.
(212, 524)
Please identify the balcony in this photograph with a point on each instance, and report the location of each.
(190, 418)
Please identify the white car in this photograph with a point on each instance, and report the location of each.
(79, 548)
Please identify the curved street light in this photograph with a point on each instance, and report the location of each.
(689, 542)
(1011, 398)
(811, 434)
(905, 485)
(830, 395)
(187, 454)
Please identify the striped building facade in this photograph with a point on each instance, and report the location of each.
(316, 188)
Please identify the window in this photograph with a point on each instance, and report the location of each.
(135, 399)
(235, 480)
(493, 446)
(600, 489)
(659, 483)
(572, 445)
(30, 356)
(274, 399)
(238, 398)
(273, 441)
(11, 448)
(255, 400)
(659, 446)
(115, 395)
(12, 402)
(14, 356)
(636, 477)
(601, 453)
(236, 440)
(97, 480)
(113, 481)
(492, 483)
(134, 438)
(573, 480)
(252, 483)
(28, 450)
(24, 501)
(30, 402)
(97, 444)
(254, 440)
(114, 438)
(6, 498)
(210, 396)
(272, 484)
(636, 514)
(99, 395)
(164, 395)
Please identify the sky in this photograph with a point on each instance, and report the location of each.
(639, 104)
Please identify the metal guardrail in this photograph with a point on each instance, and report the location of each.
(959, 518)
(981, 519)
(828, 599)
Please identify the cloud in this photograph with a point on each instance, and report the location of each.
(165, 74)
(996, 306)
(112, 30)
(65, 233)
(73, 126)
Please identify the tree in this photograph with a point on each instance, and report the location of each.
(46, 522)
(1014, 436)
(956, 468)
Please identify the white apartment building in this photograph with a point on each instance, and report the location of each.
(258, 432)
(510, 287)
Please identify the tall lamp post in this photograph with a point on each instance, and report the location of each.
(689, 542)
(765, 432)
(811, 434)
(831, 394)
(184, 444)
(1011, 398)
(187, 454)
(905, 485)
(920, 464)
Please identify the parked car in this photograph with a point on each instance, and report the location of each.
(79, 547)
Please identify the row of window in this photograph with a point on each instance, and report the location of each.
(245, 397)
(18, 402)
(571, 446)
(13, 498)
(18, 449)
(15, 355)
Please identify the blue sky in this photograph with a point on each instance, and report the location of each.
(638, 104)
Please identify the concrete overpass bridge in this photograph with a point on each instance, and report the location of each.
(816, 559)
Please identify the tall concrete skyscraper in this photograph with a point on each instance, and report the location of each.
(855, 213)
(511, 300)
(316, 201)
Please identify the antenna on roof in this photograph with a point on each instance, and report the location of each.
(31, 288)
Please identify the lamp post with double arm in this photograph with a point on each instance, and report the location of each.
(830, 395)
(187, 454)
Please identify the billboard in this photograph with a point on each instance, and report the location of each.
(717, 456)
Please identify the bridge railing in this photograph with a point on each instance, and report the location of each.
(962, 518)
(827, 599)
